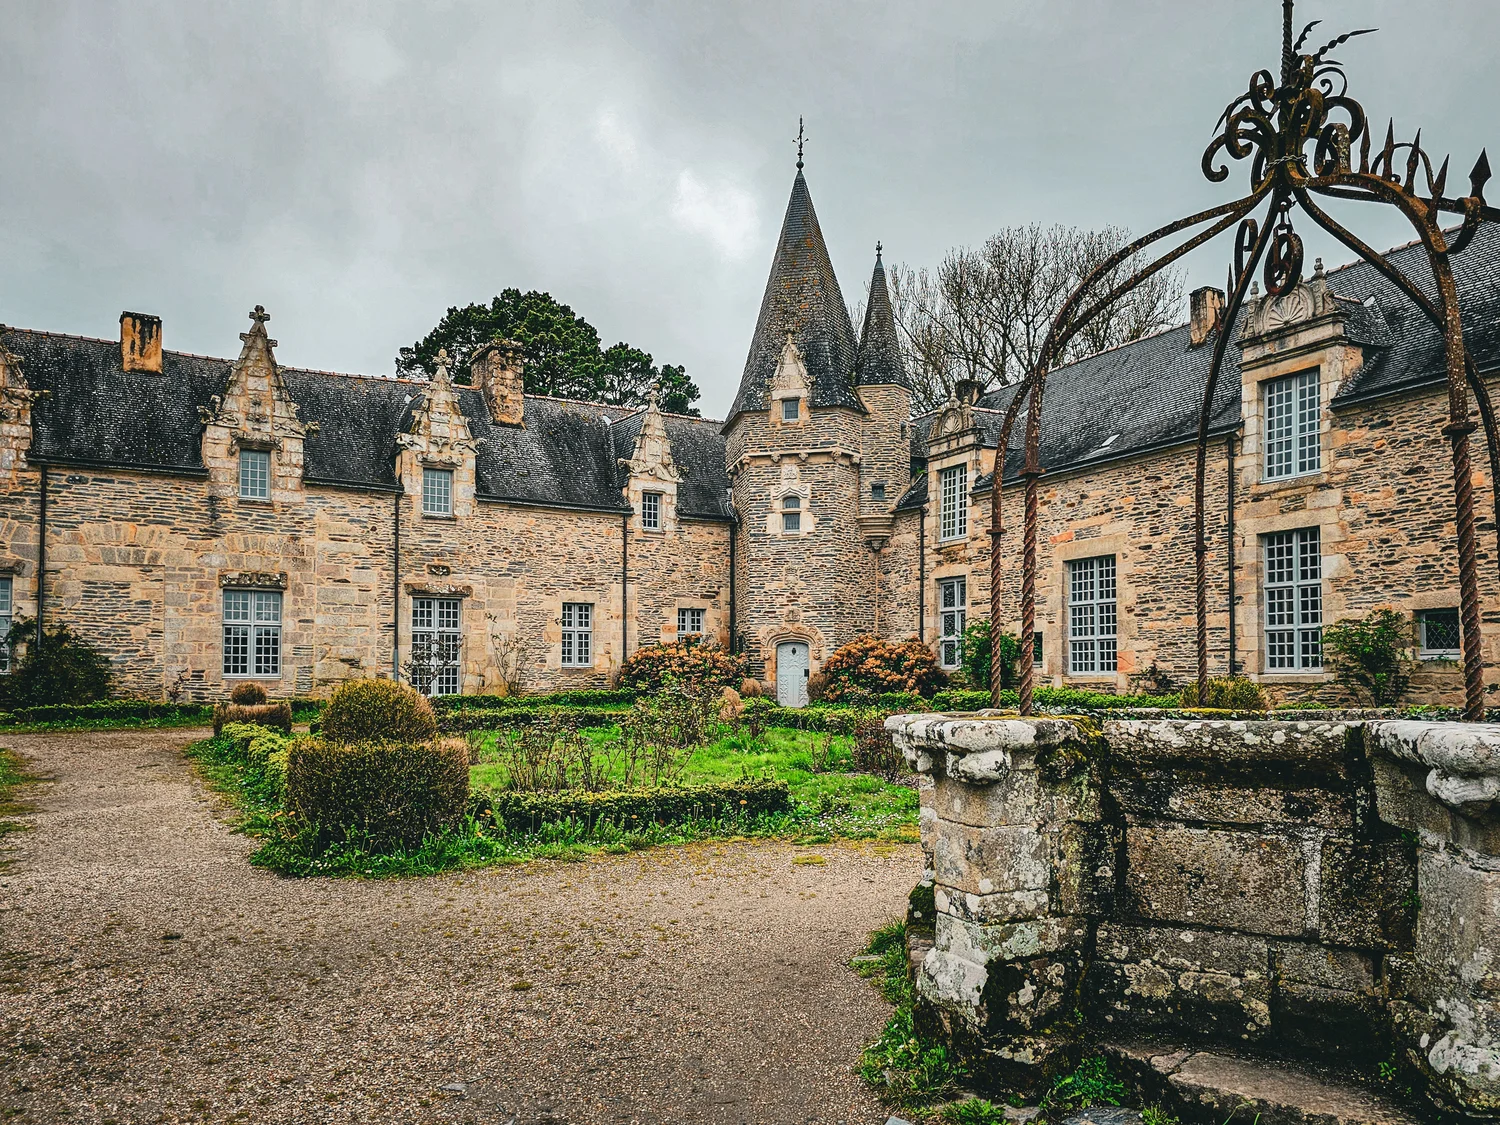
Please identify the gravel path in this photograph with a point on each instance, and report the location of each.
(148, 973)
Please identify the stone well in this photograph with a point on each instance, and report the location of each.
(1325, 889)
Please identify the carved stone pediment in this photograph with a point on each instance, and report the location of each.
(652, 456)
(1306, 301)
(439, 589)
(790, 376)
(253, 579)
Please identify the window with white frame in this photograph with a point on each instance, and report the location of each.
(1439, 635)
(689, 622)
(651, 511)
(1294, 600)
(252, 633)
(6, 583)
(953, 608)
(791, 514)
(790, 409)
(255, 474)
(1293, 442)
(437, 492)
(577, 634)
(436, 644)
(954, 509)
(1091, 616)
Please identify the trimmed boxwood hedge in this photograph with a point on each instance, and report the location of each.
(275, 715)
(583, 697)
(512, 811)
(1053, 699)
(382, 795)
(106, 709)
(514, 718)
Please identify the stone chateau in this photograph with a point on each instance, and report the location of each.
(205, 521)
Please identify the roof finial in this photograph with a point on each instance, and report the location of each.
(801, 136)
(259, 314)
(877, 251)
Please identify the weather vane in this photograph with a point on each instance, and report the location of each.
(800, 138)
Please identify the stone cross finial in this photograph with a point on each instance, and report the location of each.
(441, 361)
(259, 314)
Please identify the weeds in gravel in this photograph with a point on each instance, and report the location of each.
(12, 777)
(900, 1064)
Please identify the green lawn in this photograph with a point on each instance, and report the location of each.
(847, 803)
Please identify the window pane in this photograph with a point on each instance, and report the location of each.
(1441, 631)
(1309, 442)
(236, 650)
(267, 605)
(437, 492)
(1294, 600)
(651, 510)
(1092, 616)
(421, 613)
(789, 409)
(447, 614)
(792, 502)
(954, 512)
(236, 605)
(5, 594)
(255, 474)
(585, 615)
(1279, 407)
(791, 521)
(267, 650)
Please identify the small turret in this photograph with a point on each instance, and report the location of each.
(879, 349)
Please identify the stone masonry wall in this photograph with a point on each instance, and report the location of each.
(135, 562)
(1324, 890)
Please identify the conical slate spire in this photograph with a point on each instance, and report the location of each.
(803, 301)
(879, 351)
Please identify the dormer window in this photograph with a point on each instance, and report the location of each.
(437, 492)
(791, 515)
(790, 409)
(1293, 424)
(255, 474)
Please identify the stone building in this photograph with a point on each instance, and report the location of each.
(205, 520)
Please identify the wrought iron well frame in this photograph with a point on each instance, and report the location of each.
(1274, 125)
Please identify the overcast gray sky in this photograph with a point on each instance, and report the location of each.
(359, 168)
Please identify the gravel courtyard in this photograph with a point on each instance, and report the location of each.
(149, 973)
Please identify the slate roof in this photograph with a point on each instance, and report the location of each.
(1146, 395)
(879, 350)
(802, 298)
(96, 413)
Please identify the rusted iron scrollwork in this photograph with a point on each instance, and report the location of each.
(1300, 135)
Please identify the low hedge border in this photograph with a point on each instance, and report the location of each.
(582, 697)
(512, 812)
(515, 718)
(111, 710)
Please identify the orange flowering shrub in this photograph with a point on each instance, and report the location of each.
(690, 664)
(869, 667)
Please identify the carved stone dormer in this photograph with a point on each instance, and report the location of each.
(497, 371)
(954, 430)
(255, 412)
(652, 470)
(15, 414)
(439, 439)
(789, 382)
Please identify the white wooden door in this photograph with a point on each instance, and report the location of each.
(791, 673)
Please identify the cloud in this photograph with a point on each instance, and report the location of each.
(721, 212)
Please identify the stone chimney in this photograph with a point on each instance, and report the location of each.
(140, 342)
(496, 370)
(1207, 309)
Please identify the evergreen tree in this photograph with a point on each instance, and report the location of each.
(560, 353)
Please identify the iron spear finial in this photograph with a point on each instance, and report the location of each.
(1287, 51)
(800, 138)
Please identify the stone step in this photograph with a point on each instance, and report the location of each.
(1222, 1087)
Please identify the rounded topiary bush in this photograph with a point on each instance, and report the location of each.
(377, 710)
(692, 664)
(868, 667)
(379, 795)
(247, 694)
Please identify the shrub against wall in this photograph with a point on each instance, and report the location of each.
(977, 654)
(380, 795)
(869, 667)
(1228, 693)
(60, 668)
(248, 693)
(377, 710)
(692, 664)
(1369, 655)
